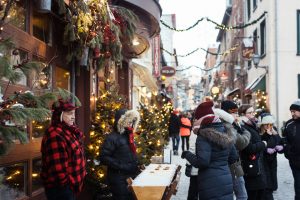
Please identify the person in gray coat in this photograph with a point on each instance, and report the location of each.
(214, 146)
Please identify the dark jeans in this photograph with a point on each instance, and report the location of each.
(256, 194)
(296, 175)
(193, 189)
(59, 193)
(187, 141)
(175, 142)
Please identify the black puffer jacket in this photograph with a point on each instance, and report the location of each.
(270, 162)
(119, 158)
(213, 148)
(292, 148)
(254, 151)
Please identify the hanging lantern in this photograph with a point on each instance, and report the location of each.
(44, 6)
(215, 90)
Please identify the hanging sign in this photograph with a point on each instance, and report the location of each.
(248, 48)
(156, 56)
(168, 71)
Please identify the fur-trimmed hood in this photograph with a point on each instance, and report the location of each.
(130, 118)
(223, 140)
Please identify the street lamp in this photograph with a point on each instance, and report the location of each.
(256, 59)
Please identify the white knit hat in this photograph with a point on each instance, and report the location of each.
(267, 119)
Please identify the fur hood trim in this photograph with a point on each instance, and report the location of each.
(223, 140)
(130, 118)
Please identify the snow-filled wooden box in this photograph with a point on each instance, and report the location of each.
(156, 182)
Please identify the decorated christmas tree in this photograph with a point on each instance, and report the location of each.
(108, 102)
(153, 128)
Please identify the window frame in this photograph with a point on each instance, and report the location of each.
(263, 37)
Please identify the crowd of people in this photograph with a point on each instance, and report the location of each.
(236, 151)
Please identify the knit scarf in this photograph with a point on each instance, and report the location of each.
(132, 146)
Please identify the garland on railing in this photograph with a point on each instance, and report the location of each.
(218, 26)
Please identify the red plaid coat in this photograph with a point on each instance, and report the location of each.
(63, 161)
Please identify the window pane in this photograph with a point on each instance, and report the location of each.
(62, 77)
(254, 4)
(36, 169)
(12, 181)
(263, 38)
(38, 128)
(41, 27)
(17, 15)
(298, 31)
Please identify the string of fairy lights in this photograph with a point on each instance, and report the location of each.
(218, 26)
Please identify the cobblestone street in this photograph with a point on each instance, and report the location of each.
(285, 179)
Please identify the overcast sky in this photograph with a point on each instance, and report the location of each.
(203, 35)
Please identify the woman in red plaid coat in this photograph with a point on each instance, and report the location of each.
(63, 161)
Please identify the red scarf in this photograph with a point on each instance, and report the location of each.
(131, 139)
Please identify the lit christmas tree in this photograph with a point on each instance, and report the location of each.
(108, 102)
(260, 100)
(153, 130)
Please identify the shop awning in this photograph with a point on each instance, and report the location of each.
(234, 91)
(257, 84)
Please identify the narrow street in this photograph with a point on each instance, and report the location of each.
(285, 179)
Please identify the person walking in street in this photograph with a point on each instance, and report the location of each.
(268, 133)
(174, 129)
(252, 155)
(242, 140)
(214, 146)
(185, 132)
(118, 153)
(63, 160)
(291, 133)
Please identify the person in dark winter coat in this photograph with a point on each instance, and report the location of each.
(118, 153)
(174, 130)
(242, 140)
(292, 149)
(268, 133)
(63, 160)
(214, 146)
(252, 155)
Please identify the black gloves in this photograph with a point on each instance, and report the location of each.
(183, 155)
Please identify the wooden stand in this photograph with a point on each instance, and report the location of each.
(157, 192)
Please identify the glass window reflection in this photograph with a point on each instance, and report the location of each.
(12, 181)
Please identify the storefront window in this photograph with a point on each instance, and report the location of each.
(17, 14)
(42, 27)
(36, 169)
(12, 181)
(62, 78)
